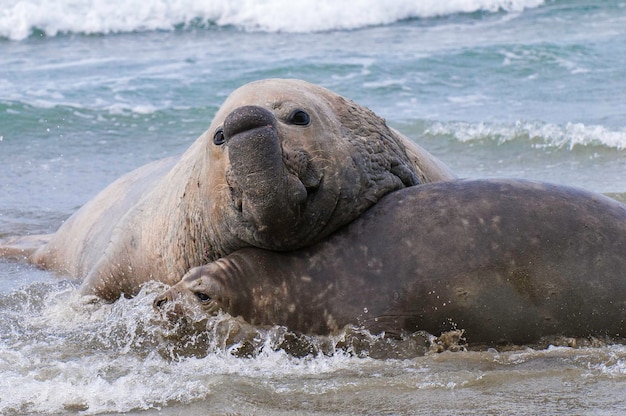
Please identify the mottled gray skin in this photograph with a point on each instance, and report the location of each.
(283, 164)
(507, 261)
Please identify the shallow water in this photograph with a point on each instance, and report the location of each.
(68, 356)
(493, 88)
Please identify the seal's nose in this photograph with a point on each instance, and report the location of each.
(161, 300)
(247, 118)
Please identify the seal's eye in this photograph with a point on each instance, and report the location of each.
(299, 118)
(218, 138)
(203, 297)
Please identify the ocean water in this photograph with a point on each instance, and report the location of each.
(92, 89)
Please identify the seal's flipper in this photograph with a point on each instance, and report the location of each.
(21, 248)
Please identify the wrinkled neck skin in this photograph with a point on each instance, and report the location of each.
(262, 301)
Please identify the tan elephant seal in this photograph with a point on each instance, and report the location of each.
(507, 261)
(283, 164)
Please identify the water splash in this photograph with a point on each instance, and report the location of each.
(62, 353)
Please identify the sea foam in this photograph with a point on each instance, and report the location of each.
(540, 134)
(19, 19)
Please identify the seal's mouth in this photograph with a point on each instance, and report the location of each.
(300, 163)
(289, 221)
(305, 173)
(236, 195)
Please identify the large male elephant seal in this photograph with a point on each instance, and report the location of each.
(505, 260)
(283, 164)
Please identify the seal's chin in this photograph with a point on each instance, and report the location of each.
(298, 189)
(281, 227)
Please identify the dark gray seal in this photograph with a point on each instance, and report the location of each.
(507, 261)
(284, 164)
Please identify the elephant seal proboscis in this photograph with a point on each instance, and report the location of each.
(284, 164)
(507, 261)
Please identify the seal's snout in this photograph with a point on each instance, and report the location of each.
(247, 118)
(166, 305)
(161, 300)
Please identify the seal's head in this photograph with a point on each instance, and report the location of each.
(291, 162)
(207, 286)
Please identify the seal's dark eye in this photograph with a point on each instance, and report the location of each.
(299, 118)
(203, 297)
(218, 138)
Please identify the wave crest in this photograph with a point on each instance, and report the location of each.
(540, 135)
(21, 18)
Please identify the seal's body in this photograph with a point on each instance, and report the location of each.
(505, 260)
(284, 164)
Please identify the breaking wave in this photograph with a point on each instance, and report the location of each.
(20, 19)
(539, 134)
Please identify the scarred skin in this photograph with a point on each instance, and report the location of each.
(507, 261)
(284, 164)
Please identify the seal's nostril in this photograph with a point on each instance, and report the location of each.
(160, 302)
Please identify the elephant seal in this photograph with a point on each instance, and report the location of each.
(283, 165)
(507, 261)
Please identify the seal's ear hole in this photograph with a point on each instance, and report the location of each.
(219, 138)
(203, 297)
(299, 118)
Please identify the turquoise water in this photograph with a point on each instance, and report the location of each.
(89, 91)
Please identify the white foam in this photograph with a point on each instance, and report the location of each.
(66, 354)
(538, 133)
(60, 354)
(18, 18)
